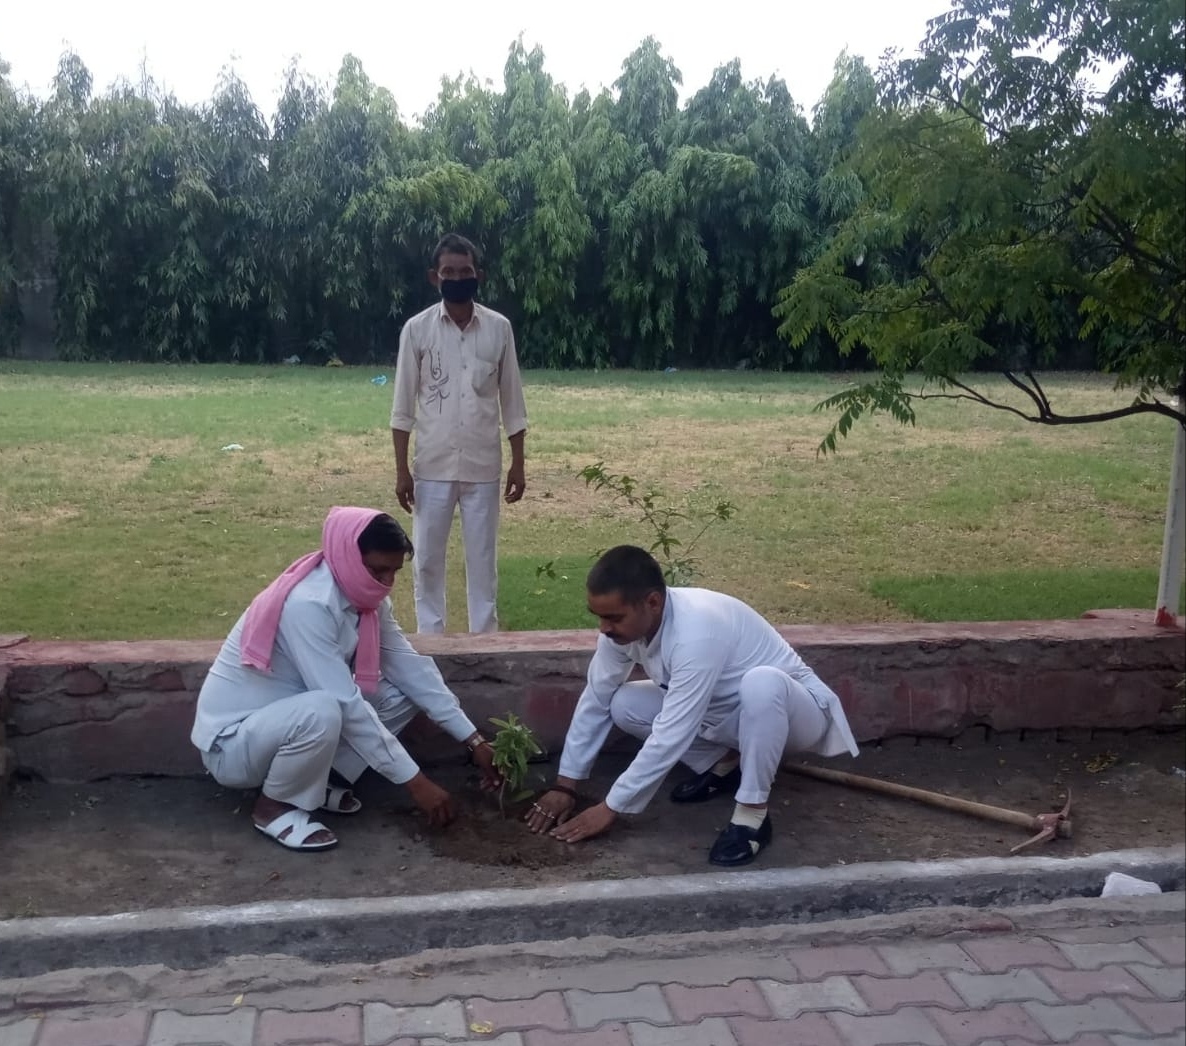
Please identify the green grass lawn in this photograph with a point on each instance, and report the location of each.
(125, 518)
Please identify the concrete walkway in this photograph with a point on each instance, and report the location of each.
(1088, 972)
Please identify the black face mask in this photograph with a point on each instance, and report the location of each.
(459, 291)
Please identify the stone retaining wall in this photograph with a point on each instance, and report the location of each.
(82, 711)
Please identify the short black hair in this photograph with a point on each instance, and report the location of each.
(455, 243)
(384, 534)
(629, 570)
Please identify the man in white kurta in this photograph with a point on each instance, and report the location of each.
(288, 727)
(456, 373)
(726, 695)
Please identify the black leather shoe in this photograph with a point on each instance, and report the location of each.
(706, 785)
(736, 844)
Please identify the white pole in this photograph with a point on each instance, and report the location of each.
(1173, 548)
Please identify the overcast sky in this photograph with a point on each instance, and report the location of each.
(408, 48)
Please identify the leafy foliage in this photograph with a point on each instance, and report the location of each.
(620, 228)
(16, 143)
(514, 744)
(1023, 201)
(664, 520)
(986, 206)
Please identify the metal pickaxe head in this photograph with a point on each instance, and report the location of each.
(1050, 825)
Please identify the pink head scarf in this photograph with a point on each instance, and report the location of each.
(339, 548)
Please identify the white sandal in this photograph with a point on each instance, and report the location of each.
(302, 828)
(335, 801)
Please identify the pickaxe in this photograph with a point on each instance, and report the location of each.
(1047, 826)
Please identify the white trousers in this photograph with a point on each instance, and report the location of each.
(432, 519)
(287, 748)
(772, 714)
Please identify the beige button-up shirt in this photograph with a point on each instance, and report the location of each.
(451, 385)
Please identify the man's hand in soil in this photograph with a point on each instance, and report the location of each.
(484, 760)
(549, 810)
(432, 799)
(592, 822)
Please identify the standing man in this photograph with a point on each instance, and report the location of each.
(456, 373)
(727, 696)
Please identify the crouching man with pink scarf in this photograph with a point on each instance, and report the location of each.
(316, 675)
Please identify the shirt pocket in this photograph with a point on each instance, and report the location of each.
(484, 376)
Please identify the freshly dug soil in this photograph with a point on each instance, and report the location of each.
(130, 844)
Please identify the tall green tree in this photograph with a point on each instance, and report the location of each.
(1031, 162)
(296, 219)
(658, 271)
(545, 229)
(236, 143)
(17, 128)
(661, 277)
(763, 231)
(361, 143)
(72, 208)
(849, 98)
(330, 290)
(439, 186)
(605, 164)
(648, 101)
(836, 189)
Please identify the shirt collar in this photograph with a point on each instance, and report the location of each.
(444, 317)
(664, 622)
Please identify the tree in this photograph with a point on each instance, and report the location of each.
(296, 218)
(333, 291)
(848, 99)
(648, 100)
(209, 284)
(660, 272)
(836, 189)
(68, 201)
(545, 229)
(604, 165)
(438, 186)
(17, 116)
(1025, 187)
(758, 231)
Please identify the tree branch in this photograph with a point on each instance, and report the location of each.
(1043, 408)
(1048, 417)
(969, 393)
(1126, 239)
(972, 395)
(1039, 390)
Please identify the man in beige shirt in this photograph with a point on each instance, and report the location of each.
(457, 372)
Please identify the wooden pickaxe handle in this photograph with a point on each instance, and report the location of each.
(944, 802)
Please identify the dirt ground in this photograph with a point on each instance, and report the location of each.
(130, 844)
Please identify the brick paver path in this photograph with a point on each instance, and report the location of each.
(1095, 985)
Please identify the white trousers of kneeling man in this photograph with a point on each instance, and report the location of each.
(771, 714)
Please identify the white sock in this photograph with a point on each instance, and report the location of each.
(726, 765)
(748, 816)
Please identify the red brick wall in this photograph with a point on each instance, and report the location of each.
(80, 711)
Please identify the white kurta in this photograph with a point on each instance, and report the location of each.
(314, 649)
(705, 645)
(451, 388)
